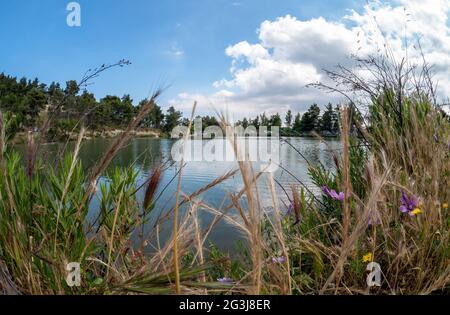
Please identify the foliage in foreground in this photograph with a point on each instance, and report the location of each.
(43, 228)
(386, 202)
(412, 247)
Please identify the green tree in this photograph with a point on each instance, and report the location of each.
(33, 103)
(288, 119)
(87, 105)
(335, 119)
(275, 120)
(9, 102)
(72, 88)
(209, 121)
(171, 119)
(155, 118)
(297, 123)
(22, 86)
(255, 122)
(71, 99)
(126, 109)
(310, 120)
(244, 123)
(55, 93)
(264, 120)
(104, 112)
(326, 123)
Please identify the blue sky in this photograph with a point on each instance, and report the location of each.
(176, 42)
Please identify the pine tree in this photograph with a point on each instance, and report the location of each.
(245, 123)
(34, 102)
(275, 120)
(297, 123)
(326, 123)
(310, 120)
(288, 119)
(264, 120)
(255, 122)
(172, 119)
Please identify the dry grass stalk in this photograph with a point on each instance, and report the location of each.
(286, 283)
(115, 147)
(346, 173)
(296, 203)
(359, 228)
(199, 241)
(176, 261)
(253, 216)
(153, 184)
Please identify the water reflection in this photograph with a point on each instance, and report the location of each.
(146, 153)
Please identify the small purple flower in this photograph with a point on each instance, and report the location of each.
(333, 194)
(279, 260)
(408, 203)
(225, 280)
(290, 210)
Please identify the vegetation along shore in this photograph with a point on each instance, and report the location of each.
(28, 103)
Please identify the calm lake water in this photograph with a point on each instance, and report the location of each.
(146, 153)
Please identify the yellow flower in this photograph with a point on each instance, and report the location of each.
(416, 211)
(367, 257)
(445, 205)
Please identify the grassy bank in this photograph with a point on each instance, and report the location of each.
(386, 202)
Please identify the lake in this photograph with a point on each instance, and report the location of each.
(146, 153)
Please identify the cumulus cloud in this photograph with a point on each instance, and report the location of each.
(271, 75)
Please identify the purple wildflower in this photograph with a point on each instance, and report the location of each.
(408, 203)
(225, 280)
(279, 260)
(333, 194)
(290, 210)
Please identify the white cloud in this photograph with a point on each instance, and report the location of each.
(272, 74)
(309, 42)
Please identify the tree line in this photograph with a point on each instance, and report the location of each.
(27, 102)
(311, 121)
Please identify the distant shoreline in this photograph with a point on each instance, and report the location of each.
(21, 137)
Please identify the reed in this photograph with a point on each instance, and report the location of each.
(176, 261)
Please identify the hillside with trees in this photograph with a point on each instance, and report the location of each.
(27, 103)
